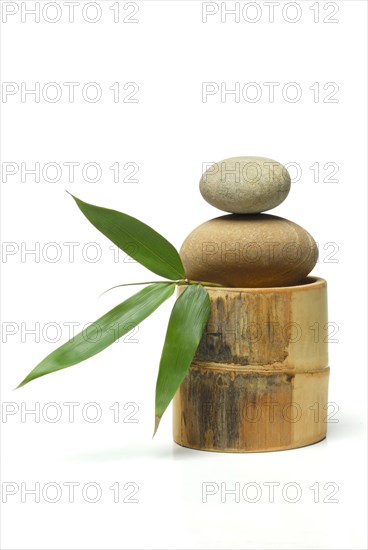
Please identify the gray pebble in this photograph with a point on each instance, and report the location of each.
(245, 185)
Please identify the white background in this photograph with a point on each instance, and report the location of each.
(169, 133)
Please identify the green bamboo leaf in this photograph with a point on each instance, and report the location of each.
(137, 239)
(106, 330)
(184, 332)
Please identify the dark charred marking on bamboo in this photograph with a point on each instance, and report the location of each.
(236, 334)
(227, 409)
(214, 342)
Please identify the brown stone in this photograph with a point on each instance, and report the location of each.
(249, 251)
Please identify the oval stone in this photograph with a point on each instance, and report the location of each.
(245, 185)
(249, 251)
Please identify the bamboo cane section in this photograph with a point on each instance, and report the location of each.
(259, 380)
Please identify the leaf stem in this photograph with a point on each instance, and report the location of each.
(135, 284)
(179, 282)
(203, 283)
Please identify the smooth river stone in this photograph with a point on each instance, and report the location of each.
(245, 185)
(249, 251)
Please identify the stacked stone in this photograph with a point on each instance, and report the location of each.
(248, 249)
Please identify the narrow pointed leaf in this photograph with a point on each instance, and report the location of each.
(106, 330)
(184, 332)
(138, 240)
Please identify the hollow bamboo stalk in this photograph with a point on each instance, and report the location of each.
(259, 380)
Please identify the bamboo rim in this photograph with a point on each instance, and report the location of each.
(309, 283)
